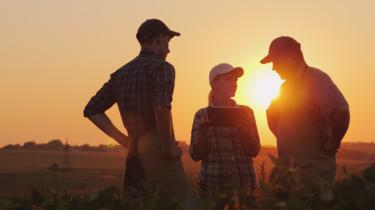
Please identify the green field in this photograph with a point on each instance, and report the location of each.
(22, 170)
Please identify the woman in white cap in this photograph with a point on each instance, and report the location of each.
(226, 149)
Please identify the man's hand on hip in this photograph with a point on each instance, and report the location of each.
(174, 152)
(102, 121)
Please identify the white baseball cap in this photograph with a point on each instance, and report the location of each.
(225, 68)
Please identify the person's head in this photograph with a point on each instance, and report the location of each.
(223, 81)
(154, 35)
(286, 56)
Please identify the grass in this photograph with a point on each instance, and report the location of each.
(22, 170)
(351, 192)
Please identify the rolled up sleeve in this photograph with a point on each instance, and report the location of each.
(165, 78)
(102, 100)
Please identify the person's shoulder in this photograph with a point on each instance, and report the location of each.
(201, 112)
(159, 65)
(242, 106)
(245, 107)
(166, 65)
(316, 73)
(125, 67)
(316, 76)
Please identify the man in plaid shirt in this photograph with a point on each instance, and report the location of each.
(143, 90)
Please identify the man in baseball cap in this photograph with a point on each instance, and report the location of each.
(281, 45)
(154, 35)
(152, 28)
(143, 90)
(309, 118)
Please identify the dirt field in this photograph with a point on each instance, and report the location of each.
(21, 171)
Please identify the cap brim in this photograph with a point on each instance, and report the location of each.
(173, 33)
(266, 59)
(238, 71)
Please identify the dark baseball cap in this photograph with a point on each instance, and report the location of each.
(152, 28)
(281, 45)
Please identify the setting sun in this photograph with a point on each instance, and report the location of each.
(259, 88)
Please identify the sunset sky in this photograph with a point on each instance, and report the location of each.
(55, 55)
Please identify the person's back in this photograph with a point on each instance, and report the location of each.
(136, 87)
(143, 90)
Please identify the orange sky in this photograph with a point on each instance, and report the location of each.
(55, 55)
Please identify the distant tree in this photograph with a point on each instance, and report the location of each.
(116, 148)
(84, 147)
(55, 144)
(29, 145)
(102, 148)
(12, 147)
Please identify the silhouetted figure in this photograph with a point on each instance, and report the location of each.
(309, 118)
(143, 90)
(224, 137)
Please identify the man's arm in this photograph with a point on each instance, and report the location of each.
(164, 127)
(172, 130)
(273, 115)
(164, 86)
(105, 124)
(95, 111)
(340, 122)
(332, 104)
(273, 111)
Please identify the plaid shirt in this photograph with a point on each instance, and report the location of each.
(225, 164)
(138, 88)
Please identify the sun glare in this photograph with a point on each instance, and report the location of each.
(259, 87)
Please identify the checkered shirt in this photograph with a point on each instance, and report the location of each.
(225, 163)
(138, 88)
